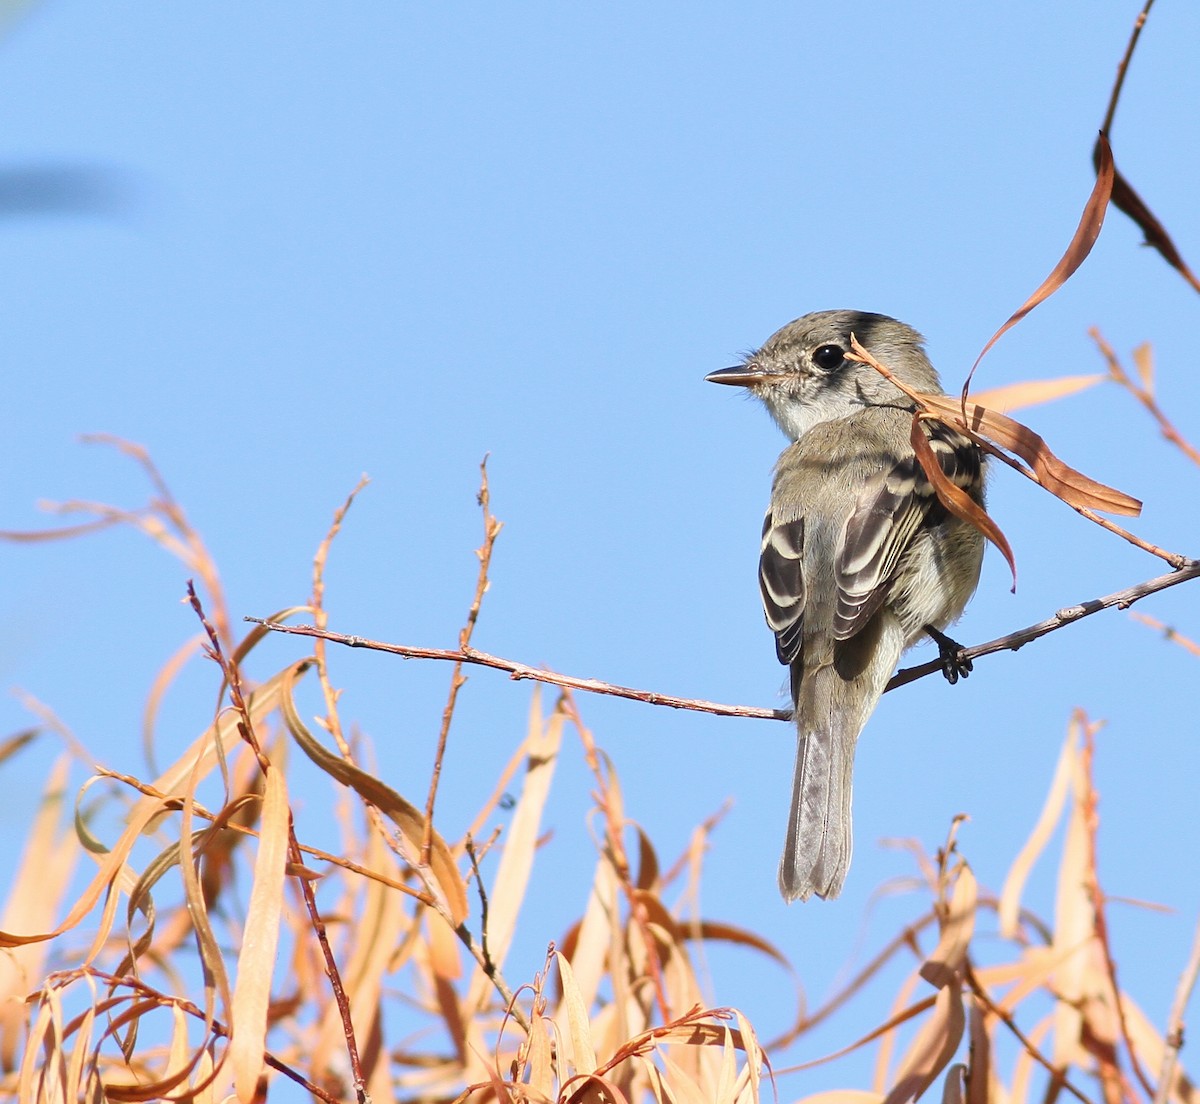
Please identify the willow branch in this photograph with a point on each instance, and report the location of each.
(1121, 599)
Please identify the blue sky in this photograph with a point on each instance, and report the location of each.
(299, 242)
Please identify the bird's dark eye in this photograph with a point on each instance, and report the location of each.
(828, 356)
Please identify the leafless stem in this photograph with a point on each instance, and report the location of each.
(1183, 993)
(1091, 817)
(1123, 67)
(1122, 599)
(1059, 1076)
(491, 530)
(1143, 395)
(245, 725)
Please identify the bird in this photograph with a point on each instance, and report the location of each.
(859, 557)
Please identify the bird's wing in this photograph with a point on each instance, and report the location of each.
(781, 581)
(888, 515)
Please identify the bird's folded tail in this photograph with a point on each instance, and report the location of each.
(831, 709)
(816, 853)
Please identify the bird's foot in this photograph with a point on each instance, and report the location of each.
(955, 664)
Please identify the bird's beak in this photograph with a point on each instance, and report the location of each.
(740, 375)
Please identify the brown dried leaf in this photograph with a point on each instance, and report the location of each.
(202, 755)
(540, 1063)
(1126, 200)
(1010, 896)
(979, 1072)
(1014, 396)
(589, 943)
(581, 1055)
(843, 1096)
(1058, 478)
(955, 499)
(957, 927)
(38, 884)
(933, 1047)
(256, 959)
(402, 813)
(541, 746)
(1081, 244)
(1078, 976)
(954, 1088)
(1143, 360)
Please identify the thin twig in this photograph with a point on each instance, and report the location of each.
(246, 729)
(1169, 633)
(489, 967)
(491, 530)
(333, 723)
(1183, 993)
(128, 981)
(1122, 599)
(1091, 817)
(1123, 68)
(1006, 1018)
(1143, 395)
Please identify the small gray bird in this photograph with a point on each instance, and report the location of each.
(859, 557)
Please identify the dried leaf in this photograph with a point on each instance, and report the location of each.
(1014, 883)
(38, 885)
(955, 499)
(582, 1055)
(260, 941)
(1059, 479)
(1143, 361)
(843, 1096)
(1076, 978)
(1081, 245)
(1126, 200)
(405, 815)
(542, 742)
(933, 1047)
(1014, 396)
(979, 1072)
(957, 927)
(954, 1088)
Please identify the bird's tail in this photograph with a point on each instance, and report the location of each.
(833, 701)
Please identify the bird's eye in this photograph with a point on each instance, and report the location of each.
(828, 357)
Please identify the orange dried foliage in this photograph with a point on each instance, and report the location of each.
(131, 1018)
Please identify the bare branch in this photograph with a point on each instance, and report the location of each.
(491, 530)
(1121, 599)
(1187, 982)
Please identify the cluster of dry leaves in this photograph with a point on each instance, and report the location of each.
(233, 954)
(215, 953)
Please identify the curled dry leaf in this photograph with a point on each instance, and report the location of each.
(1014, 883)
(957, 926)
(933, 1047)
(401, 812)
(1060, 479)
(1081, 244)
(1126, 200)
(955, 499)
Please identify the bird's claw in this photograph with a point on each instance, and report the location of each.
(955, 664)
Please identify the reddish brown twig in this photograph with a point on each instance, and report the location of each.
(491, 530)
(1143, 394)
(245, 725)
(1122, 599)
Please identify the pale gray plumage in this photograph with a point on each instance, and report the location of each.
(859, 558)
